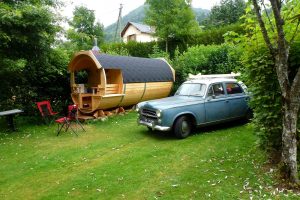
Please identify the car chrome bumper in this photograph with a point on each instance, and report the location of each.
(153, 126)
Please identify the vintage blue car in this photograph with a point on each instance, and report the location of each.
(197, 102)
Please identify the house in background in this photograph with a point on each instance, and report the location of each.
(138, 32)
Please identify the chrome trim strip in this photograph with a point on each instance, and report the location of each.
(153, 126)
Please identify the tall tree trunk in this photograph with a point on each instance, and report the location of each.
(289, 139)
(290, 108)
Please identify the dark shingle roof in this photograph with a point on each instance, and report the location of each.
(136, 70)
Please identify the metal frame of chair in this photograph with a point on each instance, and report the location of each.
(66, 122)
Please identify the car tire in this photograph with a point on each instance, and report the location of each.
(182, 127)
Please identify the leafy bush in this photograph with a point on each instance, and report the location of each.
(259, 73)
(158, 53)
(260, 77)
(138, 49)
(215, 35)
(30, 68)
(210, 59)
(131, 48)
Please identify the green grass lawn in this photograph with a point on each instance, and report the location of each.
(117, 159)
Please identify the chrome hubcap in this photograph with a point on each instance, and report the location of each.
(185, 127)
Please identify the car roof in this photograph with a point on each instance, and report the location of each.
(211, 80)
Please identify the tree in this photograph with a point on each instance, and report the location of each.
(27, 31)
(279, 35)
(84, 29)
(228, 12)
(171, 19)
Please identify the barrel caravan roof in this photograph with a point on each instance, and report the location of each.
(134, 69)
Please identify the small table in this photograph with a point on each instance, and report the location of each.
(10, 117)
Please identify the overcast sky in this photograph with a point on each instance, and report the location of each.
(107, 11)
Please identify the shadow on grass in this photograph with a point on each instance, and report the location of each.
(159, 135)
(221, 126)
(21, 124)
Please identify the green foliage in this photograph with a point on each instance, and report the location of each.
(171, 19)
(31, 70)
(158, 53)
(53, 3)
(131, 48)
(115, 49)
(84, 29)
(228, 12)
(210, 59)
(215, 35)
(116, 159)
(139, 49)
(259, 73)
(145, 50)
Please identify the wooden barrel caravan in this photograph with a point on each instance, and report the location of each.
(117, 81)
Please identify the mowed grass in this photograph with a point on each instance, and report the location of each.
(116, 159)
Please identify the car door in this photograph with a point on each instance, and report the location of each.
(237, 100)
(216, 103)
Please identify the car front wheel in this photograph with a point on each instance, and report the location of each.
(182, 127)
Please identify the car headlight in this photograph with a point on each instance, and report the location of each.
(137, 108)
(158, 113)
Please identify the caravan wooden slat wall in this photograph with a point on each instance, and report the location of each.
(108, 102)
(133, 92)
(112, 89)
(106, 88)
(156, 90)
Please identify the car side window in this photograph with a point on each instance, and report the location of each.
(233, 88)
(210, 91)
(216, 89)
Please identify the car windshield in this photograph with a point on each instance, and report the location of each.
(191, 89)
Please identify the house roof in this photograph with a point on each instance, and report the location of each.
(135, 69)
(141, 27)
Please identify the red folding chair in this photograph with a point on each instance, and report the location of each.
(46, 111)
(66, 122)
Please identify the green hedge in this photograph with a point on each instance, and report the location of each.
(210, 59)
(131, 48)
(215, 35)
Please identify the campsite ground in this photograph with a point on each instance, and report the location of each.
(116, 159)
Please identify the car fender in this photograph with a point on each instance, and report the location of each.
(184, 113)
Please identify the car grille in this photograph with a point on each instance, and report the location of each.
(149, 113)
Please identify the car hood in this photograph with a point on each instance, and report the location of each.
(171, 102)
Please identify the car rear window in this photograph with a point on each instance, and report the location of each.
(233, 88)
